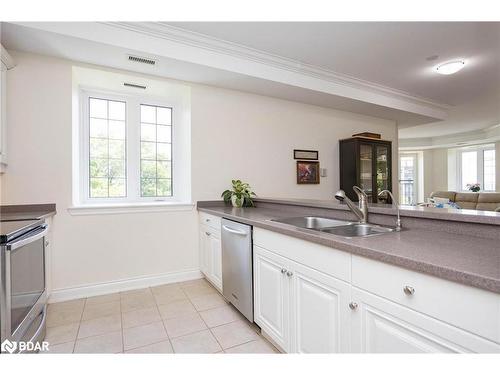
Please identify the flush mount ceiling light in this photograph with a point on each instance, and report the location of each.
(450, 67)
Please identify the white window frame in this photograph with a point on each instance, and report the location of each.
(132, 125)
(480, 165)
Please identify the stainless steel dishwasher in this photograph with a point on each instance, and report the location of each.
(237, 266)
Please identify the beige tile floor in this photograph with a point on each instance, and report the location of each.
(188, 317)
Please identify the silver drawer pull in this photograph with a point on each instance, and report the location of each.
(283, 270)
(207, 220)
(409, 291)
(353, 305)
(289, 273)
(207, 233)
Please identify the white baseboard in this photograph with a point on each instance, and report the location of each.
(66, 294)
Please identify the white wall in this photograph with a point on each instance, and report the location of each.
(440, 171)
(234, 135)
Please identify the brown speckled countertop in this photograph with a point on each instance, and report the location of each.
(27, 211)
(468, 260)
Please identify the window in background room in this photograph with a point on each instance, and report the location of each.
(408, 179)
(469, 169)
(477, 165)
(489, 170)
(156, 151)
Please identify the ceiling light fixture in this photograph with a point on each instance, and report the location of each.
(450, 67)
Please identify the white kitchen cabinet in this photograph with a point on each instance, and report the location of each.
(381, 326)
(452, 303)
(3, 116)
(271, 296)
(204, 252)
(320, 308)
(300, 309)
(6, 63)
(210, 250)
(216, 259)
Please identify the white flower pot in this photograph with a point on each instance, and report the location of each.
(238, 203)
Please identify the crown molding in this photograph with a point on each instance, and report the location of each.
(6, 58)
(486, 135)
(184, 55)
(194, 39)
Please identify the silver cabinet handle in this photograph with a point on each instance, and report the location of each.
(353, 305)
(409, 291)
(283, 270)
(234, 231)
(47, 243)
(207, 220)
(207, 233)
(289, 273)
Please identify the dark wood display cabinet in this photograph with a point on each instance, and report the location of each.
(366, 163)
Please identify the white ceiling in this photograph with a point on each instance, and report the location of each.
(377, 69)
(392, 54)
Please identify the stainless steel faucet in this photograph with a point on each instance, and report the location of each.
(362, 211)
(395, 203)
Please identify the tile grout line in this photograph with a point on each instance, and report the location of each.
(79, 325)
(163, 323)
(121, 322)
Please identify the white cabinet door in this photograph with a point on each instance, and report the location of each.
(381, 326)
(271, 296)
(216, 260)
(3, 115)
(320, 312)
(204, 251)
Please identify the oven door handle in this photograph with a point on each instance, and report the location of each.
(34, 236)
(40, 329)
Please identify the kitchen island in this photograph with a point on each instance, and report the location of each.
(434, 286)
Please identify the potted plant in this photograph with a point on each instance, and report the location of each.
(240, 195)
(474, 187)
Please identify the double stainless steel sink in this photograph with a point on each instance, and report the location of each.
(336, 227)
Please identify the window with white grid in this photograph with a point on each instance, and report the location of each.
(107, 148)
(476, 165)
(126, 149)
(156, 151)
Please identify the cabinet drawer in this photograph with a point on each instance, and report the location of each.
(472, 309)
(333, 262)
(210, 220)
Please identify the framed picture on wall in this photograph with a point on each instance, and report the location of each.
(305, 154)
(307, 172)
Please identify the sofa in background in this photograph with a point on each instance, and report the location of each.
(471, 201)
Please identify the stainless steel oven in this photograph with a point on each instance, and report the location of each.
(23, 295)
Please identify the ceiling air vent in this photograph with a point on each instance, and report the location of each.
(142, 60)
(134, 85)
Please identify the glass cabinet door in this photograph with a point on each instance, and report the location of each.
(382, 173)
(366, 169)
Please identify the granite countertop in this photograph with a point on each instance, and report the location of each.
(450, 214)
(468, 260)
(27, 211)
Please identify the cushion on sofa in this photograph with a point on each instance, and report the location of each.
(466, 197)
(489, 198)
(444, 194)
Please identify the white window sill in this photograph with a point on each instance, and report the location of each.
(126, 208)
